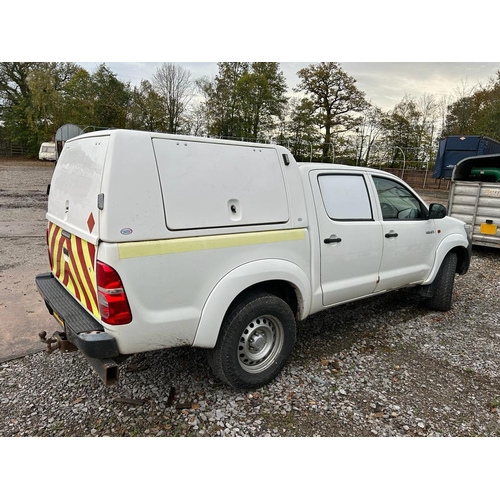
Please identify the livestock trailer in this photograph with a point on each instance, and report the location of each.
(475, 197)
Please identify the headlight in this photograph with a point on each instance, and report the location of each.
(468, 230)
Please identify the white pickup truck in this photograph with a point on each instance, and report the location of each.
(157, 241)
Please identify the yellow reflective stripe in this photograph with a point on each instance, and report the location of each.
(53, 248)
(90, 266)
(76, 269)
(181, 245)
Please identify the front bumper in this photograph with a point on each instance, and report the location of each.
(80, 327)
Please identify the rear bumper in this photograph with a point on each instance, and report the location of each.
(80, 327)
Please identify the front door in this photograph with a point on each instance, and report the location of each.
(409, 237)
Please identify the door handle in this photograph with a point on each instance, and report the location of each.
(392, 234)
(333, 240)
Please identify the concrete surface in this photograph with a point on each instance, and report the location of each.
(23, 255)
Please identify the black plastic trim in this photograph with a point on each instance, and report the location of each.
(81, 328)
(466, 264)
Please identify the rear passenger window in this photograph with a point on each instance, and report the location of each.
(345, 197)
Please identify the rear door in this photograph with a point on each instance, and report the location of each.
(73, 215)
(350, 238)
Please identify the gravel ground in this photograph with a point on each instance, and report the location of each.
(385, 366)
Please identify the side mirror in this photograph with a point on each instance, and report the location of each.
(437, 211)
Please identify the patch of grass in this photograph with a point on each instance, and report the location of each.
(494, 404)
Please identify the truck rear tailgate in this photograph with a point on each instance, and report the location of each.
(73, 215)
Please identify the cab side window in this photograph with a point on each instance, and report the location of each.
(396, 202)
(345, 197)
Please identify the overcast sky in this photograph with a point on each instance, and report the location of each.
(385, 83)
(390, 51)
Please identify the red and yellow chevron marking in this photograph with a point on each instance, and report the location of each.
(73, 264)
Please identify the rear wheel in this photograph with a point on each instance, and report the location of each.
(255, 341)
(443, 286)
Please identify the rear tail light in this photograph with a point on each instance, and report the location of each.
(113, 303)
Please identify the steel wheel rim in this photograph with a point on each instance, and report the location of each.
(260, 343)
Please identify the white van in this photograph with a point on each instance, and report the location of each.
(47, 151)
(157, 241)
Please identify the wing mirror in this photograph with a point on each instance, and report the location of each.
(437, 211)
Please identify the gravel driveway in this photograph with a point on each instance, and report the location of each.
(381, 367)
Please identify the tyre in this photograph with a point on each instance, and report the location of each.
(255, 341)
(443, 285)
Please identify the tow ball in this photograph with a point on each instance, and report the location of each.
(56, 341)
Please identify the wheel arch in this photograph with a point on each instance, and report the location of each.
(278, 277)
(450, 244)
(463, 259)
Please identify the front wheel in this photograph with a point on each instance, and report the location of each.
(255, 341)
(443, 290)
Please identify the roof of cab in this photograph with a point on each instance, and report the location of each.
(342, 167)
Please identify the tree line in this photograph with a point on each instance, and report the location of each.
(326, 117)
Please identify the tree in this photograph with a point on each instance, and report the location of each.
(223, 99)
(488, 102)
(262, 98)
(368, 132)
(461, 113)
(14, 82)
(476, 111)
(245, 99)
(32, 100)
(111, 99)
(335, 98)
(37, 98)
(176, 88)
(147, 109)
(79, 100)
(15, 99)
(47, 84)
(429, 108)
(401, 130)
(302, 128)
(195, 121)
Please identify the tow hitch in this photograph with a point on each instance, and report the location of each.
(107, 369)
(58, 340)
